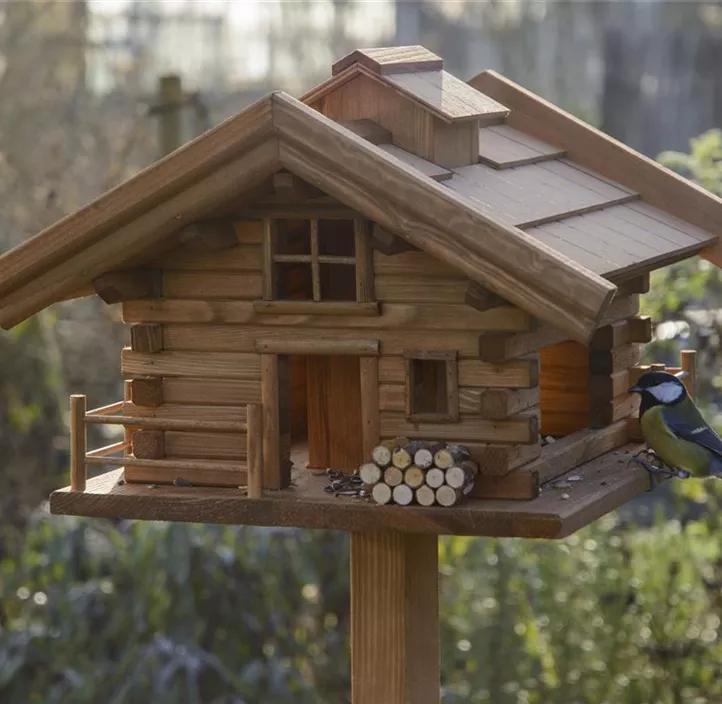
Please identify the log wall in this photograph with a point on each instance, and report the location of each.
(200, 350)
(208, 366)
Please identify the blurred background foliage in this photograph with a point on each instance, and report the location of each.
(625, 611)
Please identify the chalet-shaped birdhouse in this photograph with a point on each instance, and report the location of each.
(396, 254)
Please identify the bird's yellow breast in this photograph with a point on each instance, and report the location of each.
(675, 452)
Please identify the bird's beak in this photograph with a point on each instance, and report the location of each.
(634, 389)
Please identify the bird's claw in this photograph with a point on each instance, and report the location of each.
(651, 455)
(652, 470)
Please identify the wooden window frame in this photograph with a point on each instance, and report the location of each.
(452, 386)
(362, 262)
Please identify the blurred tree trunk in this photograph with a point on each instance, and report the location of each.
(662, 78)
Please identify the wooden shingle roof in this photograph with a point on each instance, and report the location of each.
(671, 216)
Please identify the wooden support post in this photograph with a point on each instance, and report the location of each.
(689, 364)
(254, 440)
(272, 473)
(78, 442)
(394, 619)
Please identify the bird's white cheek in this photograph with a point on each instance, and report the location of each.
(668, 392)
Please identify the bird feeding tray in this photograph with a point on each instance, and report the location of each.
(603, 484)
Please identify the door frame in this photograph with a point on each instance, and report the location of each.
(367, 350)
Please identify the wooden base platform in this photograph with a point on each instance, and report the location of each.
(605, 484)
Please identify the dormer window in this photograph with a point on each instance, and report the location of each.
(317, 260)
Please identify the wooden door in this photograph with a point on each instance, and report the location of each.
(334, 412)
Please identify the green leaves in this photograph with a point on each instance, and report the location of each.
(173, 613)
(703, 164)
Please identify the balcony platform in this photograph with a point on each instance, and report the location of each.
(606, 483)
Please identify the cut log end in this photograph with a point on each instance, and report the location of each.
(381, 455)
(370, 473)
(425, 496)
(447, 496)
(403, 495)
(451, 455)
(462, 475)
(414, 477)
(381, 493)
(424, 456)
(393, 476)
(401, 458)
(435, 477)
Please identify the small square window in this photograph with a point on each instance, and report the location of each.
(432, 392)
(325, 261)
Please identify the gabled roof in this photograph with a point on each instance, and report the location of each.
(530, 222)
(280, 132)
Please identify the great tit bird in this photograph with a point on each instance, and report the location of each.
(674, 428)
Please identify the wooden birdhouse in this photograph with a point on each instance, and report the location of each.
(396, 253)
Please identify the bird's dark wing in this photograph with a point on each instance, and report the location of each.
(692, 427)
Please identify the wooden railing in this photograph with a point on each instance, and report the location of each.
(81, 459)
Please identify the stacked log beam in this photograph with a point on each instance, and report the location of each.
(614, 351)
(405, 472)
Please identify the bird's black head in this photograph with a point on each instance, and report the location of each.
(659, 389)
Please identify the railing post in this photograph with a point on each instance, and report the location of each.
(78, 442)
(254, 451)
(127, 432)
(688, 362)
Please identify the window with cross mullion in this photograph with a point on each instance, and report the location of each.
(318, 260)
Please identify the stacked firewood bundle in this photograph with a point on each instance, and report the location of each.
(408, 472)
